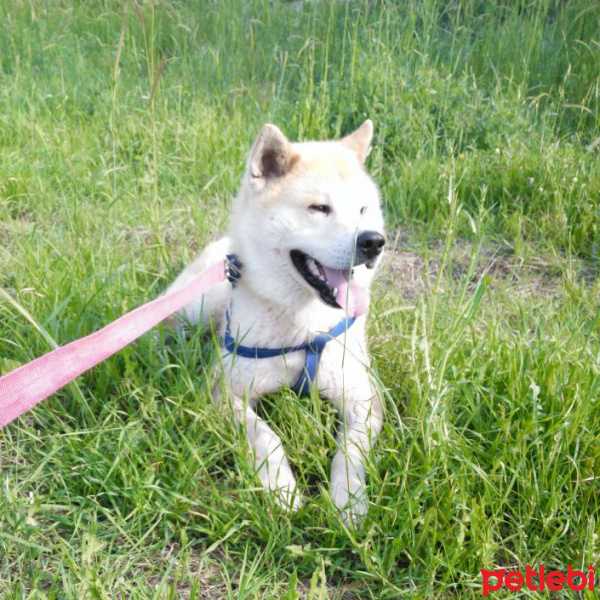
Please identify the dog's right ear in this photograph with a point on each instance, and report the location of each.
(272, 156)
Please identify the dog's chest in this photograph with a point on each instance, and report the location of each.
(339, 362)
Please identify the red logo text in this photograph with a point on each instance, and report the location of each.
(538, 580)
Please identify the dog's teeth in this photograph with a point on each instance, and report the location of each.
(312, 267)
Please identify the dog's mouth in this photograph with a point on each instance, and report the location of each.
(336, 287)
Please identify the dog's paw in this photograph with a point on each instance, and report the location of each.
(285, 490)
(278, 479)
(354, 513)
(288, 498)
(352, 506)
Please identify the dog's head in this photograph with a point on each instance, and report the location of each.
(307, 223)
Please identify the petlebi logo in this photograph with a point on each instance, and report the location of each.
(538, 580)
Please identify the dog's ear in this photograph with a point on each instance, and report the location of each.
(272, 156)
(360, 140)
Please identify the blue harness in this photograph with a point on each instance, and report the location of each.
(314, 348)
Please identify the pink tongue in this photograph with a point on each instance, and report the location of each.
(350, 296)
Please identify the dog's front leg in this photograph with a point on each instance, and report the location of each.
(268, 457)
(361, 420)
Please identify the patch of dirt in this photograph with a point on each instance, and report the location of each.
(415, 273)
(13, 228)
(209, 580)
(194, 571)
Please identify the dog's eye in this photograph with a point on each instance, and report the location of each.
(363, 210)
(322, 208)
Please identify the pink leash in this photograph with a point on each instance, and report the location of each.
(23, 388)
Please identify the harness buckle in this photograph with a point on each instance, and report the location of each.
(233, 269)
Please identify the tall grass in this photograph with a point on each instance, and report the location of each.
(123, 132)
(506, 96)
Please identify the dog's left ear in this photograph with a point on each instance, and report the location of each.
(271, 157)
(360, 140)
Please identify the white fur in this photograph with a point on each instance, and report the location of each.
(273, 306)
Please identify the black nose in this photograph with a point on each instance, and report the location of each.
(370, 243)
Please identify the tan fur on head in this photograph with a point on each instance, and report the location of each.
(273, 156)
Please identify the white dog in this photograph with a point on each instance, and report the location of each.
(307, 230)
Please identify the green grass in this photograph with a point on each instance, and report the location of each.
(123, 133)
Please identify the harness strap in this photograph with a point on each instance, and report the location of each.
(314, 350)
